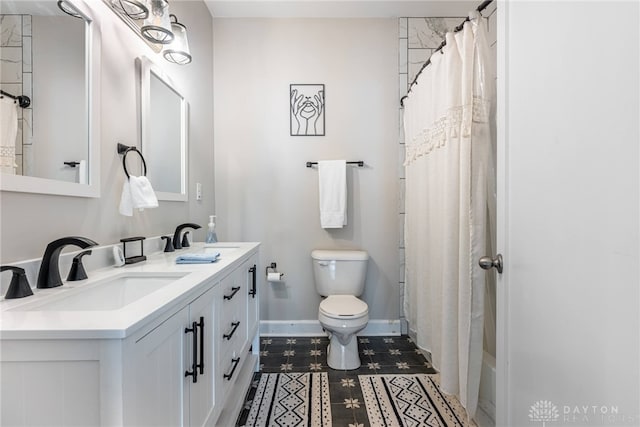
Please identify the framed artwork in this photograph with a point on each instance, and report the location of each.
(306, 109)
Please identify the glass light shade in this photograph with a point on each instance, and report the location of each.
(68, 9)
(157, 26)
(134, 9)
(178, 50)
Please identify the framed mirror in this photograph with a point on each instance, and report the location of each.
(53, 58)
(164, 112)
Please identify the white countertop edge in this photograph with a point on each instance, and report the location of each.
(119, 324)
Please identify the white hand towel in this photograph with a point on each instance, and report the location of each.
(126, 204)
(137, 193)
(142, 193)
(332, 179)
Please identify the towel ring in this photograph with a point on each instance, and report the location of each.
(125, 149)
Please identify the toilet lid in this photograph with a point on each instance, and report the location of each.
(343, 306)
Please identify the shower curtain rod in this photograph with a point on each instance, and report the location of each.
(480, 8)
(23, 100)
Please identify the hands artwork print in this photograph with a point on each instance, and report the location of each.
(307, 109)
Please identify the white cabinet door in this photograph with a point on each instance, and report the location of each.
(154, 393)
(56, 383)
(202, 402)
(174, 369)
(568, 204)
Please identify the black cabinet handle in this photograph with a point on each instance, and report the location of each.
(252, 270)
(235, 365)
(193, 373)
(234, 290)
(201, 364)
(233, 331)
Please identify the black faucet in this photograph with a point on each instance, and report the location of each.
(177, 242)
(168, 247)
(49, 275)
(19, 286)
(77, 271)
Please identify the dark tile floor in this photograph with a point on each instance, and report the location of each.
(379, 355)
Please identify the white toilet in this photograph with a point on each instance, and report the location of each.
(339, 276)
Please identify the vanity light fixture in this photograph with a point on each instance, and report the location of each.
(134, 9)
(157, 26)
(178, 50)
(68, 9)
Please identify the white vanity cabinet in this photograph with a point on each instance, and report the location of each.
(165, 357)
(186, 361)
(169, 371)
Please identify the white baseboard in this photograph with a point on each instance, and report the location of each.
(312, 328)
(404, 326)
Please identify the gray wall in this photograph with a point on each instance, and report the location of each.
(265, 193)
(29, 221)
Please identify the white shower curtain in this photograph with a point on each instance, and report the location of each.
(448, 144)
(8, 133)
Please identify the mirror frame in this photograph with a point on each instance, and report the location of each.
(30, 184)
(145, 68)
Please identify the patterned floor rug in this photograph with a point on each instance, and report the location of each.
(291, 399)
(410, 400)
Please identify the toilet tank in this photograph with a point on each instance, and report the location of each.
(339, 272)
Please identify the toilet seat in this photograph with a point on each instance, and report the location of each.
(343, 307)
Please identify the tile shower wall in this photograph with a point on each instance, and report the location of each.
(16, 75)
(418, 38)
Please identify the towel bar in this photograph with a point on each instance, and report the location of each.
(23, 100)
(360, 163)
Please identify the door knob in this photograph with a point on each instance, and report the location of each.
(486, 263)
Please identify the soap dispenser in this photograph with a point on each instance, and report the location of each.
(212, 237)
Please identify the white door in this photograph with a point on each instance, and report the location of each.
(568, 213)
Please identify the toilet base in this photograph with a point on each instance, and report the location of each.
(343, 357)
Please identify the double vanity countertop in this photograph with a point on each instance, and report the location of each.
(113, 302)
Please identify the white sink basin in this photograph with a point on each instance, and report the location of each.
(113, 293)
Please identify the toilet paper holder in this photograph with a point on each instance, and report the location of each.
(272, 269)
